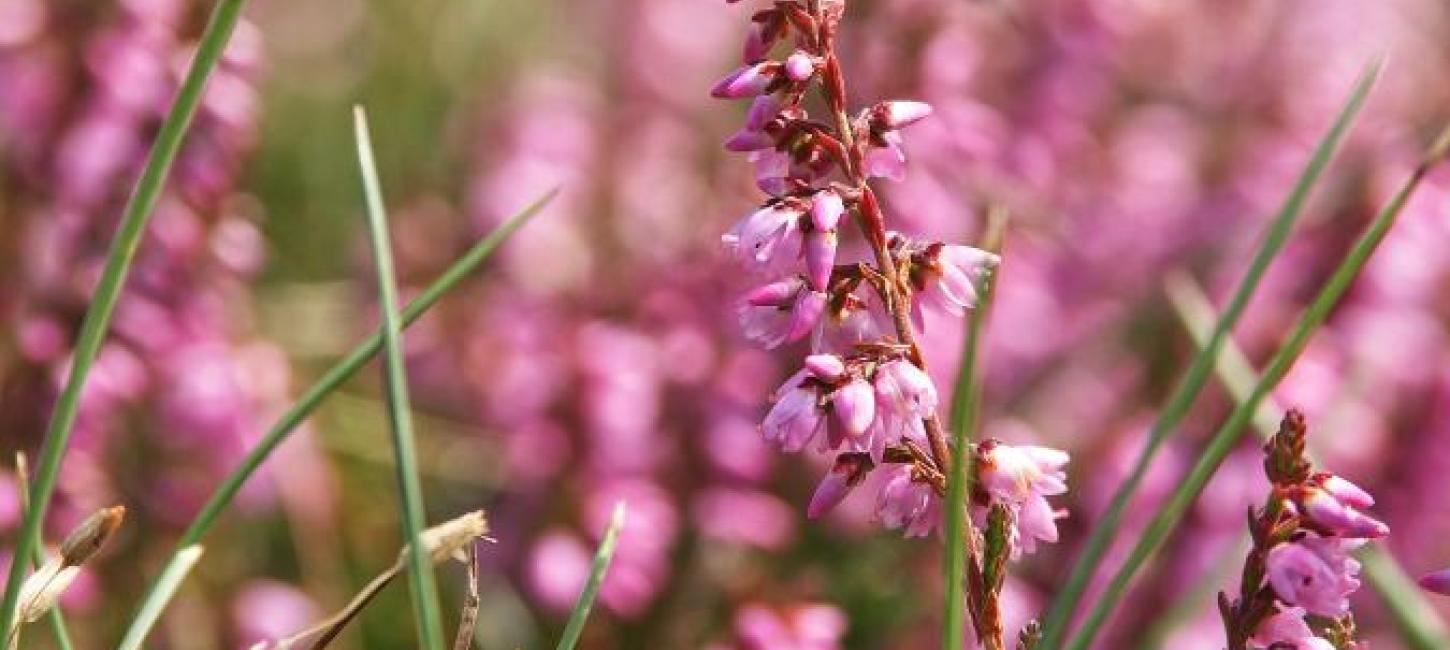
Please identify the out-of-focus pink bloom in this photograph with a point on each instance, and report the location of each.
(1287, 629)
(766, 240)
(269, 610)
(1315, 573)
(805, 627)
(907, 504)
(557, 569)
(1438, 582)
(744, 517)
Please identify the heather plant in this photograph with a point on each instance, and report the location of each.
(602, 365)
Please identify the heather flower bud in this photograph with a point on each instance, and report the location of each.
(799, 67)
(775, 294)
(1329, 512)
(820, 252)
(855, 407)
(746, 81)
(747, 140)
(1346, 492)
(807, 313)
(762, 111)
(781, 312)
(1287, 629)
(845, 474)
(826, 210)
(893, 115)
(1438, 582)
(827, 367)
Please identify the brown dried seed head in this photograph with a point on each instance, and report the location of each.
(91, 535)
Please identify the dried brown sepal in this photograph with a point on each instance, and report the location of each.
(92, 533)
(1030, 636)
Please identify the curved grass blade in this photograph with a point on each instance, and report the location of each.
(965, 398)
(113, 278)
(1229, 434)
(410, 490)
(1186, 393)
(1416, 622)
(166, 587)
(335, 377)
(602, 558)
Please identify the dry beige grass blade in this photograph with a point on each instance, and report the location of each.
(452, 539)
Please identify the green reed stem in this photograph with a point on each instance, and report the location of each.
(113, 278)
(410, 490)
(966, 398)
(171, 578)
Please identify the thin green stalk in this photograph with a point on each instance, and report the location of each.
(113, 278)
(331, 380)
(410, 490)
(966, 396)
(602, 558)
(165, 590)
(1105, 531)
(1419, 627)
(58, 626)
(1228, 435)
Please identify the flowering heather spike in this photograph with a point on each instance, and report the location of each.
(1300, 562)
(847, 472)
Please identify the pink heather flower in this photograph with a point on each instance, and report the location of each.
(820, 254)
(748, 140)
(904, 395)
(1438, 582)
(799, 67)
(781, 312)
(752, 136)
(1022, 478)
(828, 367)
(949, 275)
(907, 504)
(809, 627)
(796, 418)
(1340, 518)
(1315, 573)
(747, 81)
(766, 240)
(887, 159)
(854, 404)
(1287, 629)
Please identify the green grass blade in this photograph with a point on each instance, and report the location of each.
(113, 278)
(1228, 435)
(602, 558)
(1187, 391)
(410, 488)
(965, 398)
(1416, 622)
(166, 587)
(336, 376)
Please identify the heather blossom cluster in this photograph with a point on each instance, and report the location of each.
(1299, 575)
(863, 393)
